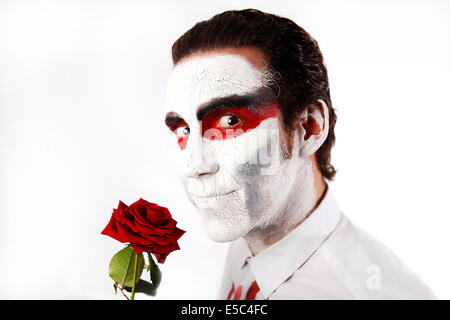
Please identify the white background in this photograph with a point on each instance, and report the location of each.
(82, 87)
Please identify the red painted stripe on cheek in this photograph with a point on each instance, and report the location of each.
(182, 142)
(182, 139)
(213, 129)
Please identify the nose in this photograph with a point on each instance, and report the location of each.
(198, 159)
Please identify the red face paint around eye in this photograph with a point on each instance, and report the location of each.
(230, 123)
(227, 123)
(182, 142)
(181, 130)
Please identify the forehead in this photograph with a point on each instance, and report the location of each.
(199, 79)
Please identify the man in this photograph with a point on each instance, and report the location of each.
(249, 103)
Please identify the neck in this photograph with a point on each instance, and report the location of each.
(261, 238)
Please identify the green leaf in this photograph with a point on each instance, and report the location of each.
(145, 287)
(155, 273)
(115, 288)
(121, 267)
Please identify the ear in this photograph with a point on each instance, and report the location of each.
(313, 128)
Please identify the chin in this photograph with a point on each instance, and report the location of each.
(223, 230)
(224, 220)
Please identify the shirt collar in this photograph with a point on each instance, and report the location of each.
(272, 266)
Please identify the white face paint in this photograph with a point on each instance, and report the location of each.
(235, 185)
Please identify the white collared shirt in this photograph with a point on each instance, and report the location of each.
(325, 257)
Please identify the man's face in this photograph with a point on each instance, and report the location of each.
(226, 120)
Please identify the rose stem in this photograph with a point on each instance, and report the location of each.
(121, 290)
(134, 276)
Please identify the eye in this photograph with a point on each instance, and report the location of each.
(228, 121)
(182, 131)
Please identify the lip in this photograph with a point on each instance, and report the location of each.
(215, 195)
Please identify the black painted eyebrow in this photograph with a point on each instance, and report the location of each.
(260, 97)
(172, 119)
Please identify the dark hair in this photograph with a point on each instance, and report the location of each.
(291, 54)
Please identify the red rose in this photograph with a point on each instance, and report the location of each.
(146, 226)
